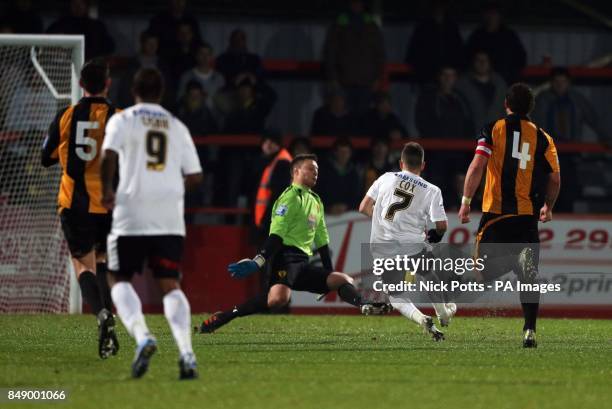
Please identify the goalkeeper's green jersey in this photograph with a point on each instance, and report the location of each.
(298, 218)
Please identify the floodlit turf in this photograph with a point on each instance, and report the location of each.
(319, 362)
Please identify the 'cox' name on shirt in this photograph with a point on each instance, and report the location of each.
(411, 180)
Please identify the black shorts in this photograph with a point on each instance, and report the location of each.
(127, 255)
(498, 228)
(85, 232)
(502, 236)
(291, 267)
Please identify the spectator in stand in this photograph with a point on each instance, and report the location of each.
(340, 184)
(440, 111)
(484, 90)
(165, 26)
(237, 59)
(98, 42)
(274, 171)
(183, 56)
(300, 145)
(354, 55)
(333, 118)
(146, 58)
(380, 120)
(435, 42)
(197, 117)
(563, 111)
(194, 111)
(23, 18)
(204, 74)
(502, 44)
(379, 162)
(255, 101)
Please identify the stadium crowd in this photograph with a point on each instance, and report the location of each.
(462, 87)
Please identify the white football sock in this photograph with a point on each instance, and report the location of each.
(178, 314)
(440, 309)
(407, 309)
(129, 310)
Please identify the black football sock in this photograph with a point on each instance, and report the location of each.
(530, 312)
(90, 291)
(107, 301)
(259, 303)
(530, 302)
(348, 293)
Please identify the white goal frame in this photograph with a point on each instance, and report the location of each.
(77, 44)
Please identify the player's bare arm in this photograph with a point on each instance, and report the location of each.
(367, 206)
(472, 181)
(108, 170)
(552, 192)
(193, 181)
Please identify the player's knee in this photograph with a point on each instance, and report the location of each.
(117, 277)
(110, 278)
(278, 301)
(168, 284)
(336, 280)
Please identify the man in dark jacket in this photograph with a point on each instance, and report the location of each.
(355, 55)
(237, 59)
(333, 118)
(380, 120)
(435, 42)
(501, 43)
(165, 25)
(341, 186)
(441, 112)
(98, 42)
(255, 101)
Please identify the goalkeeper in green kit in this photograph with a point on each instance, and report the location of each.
(297, 222)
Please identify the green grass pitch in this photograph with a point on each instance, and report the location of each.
(318, 362)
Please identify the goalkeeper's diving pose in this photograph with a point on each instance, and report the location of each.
(297, 222)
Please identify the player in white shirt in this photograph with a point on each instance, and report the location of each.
(401, 204)
(157, 161)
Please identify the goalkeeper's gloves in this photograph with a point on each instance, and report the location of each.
(246, 267)
(433, 236)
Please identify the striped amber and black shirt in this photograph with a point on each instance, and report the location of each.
(74, 140)
(521, 156)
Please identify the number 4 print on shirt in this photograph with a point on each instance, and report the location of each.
(523, 156)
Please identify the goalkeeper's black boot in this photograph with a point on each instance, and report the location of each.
(377, 308)
(529, 339)
(188, 367)
(107, 338)
(214, 322)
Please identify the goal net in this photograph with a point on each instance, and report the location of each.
(39, 76)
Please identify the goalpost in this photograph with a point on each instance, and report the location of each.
(38, 75)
